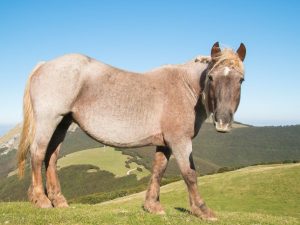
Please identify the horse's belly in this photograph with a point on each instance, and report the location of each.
(122, 133)
(119, 126)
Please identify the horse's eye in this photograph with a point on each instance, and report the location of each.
(210, 78)
(242, 80)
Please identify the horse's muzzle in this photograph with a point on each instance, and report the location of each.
(223, 127)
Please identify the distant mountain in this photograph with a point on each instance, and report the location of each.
(11, 138)
(8, 148)
(212, 151)
(243, 146)
(4, 128)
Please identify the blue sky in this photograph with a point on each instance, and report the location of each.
(141, 35)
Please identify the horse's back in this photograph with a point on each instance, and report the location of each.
(113, 106)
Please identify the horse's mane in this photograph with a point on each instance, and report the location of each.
(203, 59)
(228, 57)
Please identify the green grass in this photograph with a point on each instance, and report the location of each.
(106, 158)
(255, 195)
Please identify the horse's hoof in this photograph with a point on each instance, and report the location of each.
(59, 201)
(154, 208)
(62, 205)
(204, 213)
(42, 202)
(45, 205)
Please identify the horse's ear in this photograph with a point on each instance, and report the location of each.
(241, 51)
(215, 50)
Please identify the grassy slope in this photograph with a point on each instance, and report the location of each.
(74, 141)
(11, 133)
(211, 150)
(106, 158)
(241, 147)
(76, 181)
(255, 195)
(86, 172)
(8, 162)
(248, 146)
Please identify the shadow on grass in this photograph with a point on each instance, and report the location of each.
(183, 210)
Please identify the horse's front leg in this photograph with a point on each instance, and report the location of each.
(160, 163)
(182, 151)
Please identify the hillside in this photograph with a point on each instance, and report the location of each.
(244, 146)
(266, 194)
(96, 170)
(11, 136)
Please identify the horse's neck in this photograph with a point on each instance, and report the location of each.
(194, 76)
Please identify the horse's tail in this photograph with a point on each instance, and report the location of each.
(28, 130)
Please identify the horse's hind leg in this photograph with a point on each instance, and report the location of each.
(45, 127)
(52, 182)
(160, 162)
(182, 150)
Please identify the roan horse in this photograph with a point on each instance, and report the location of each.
(164, 107)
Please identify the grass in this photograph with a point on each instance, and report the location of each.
(127, 214)
(106, 158)
(265, 195)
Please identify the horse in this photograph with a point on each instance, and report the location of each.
(164, 107)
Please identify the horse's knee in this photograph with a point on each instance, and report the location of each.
(37, 155)
(39, 145)
(190, 177)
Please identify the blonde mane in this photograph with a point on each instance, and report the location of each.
(228, 57)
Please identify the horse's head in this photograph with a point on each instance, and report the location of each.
(224, 77)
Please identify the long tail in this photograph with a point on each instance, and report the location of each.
(28, 130)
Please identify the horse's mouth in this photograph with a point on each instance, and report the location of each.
(222, 127)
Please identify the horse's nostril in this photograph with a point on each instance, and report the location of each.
(223, 117)
(215, 116)
(222, 127)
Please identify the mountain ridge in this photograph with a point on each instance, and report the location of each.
(212, 152)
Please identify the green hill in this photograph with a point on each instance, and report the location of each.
(105, 158)
(213, 152)
(97, 170)
(266, 194)
(241, 147)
